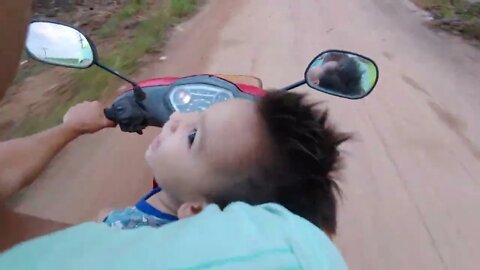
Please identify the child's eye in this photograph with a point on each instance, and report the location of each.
(191, 137)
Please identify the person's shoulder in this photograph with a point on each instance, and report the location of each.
(264, 235)
(312, 247)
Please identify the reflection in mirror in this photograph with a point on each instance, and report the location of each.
(58, 44)
(342, 74)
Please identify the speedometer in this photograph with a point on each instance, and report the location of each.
(197, 97)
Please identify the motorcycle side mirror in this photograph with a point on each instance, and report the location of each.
(59, 45)
(62, 45)
(343, 74)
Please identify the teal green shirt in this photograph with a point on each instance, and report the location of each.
(239, 237)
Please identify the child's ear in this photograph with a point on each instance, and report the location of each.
(189, 209)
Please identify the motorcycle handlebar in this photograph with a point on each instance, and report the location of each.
(110, 114)
(127, 114)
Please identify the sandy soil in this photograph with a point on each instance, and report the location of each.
(411, 186)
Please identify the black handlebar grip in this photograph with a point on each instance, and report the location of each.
(110, 114)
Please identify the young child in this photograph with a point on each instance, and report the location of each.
(276, 149)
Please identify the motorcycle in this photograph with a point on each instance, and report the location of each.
(151, 102)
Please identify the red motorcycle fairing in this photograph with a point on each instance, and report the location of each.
(245, 88)
(157, 81)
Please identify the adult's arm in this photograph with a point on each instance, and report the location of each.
(17, 227)
(22, 160)
(14, 18)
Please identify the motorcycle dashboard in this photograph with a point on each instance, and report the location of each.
(197, 97)
(197, 93)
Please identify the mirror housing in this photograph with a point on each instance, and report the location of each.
(342, 73)
(61, 45)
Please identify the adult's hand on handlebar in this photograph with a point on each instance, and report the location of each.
(87, 117)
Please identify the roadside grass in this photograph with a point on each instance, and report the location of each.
(457, 16)
(130, 9)
(33, 69)
(446, 8)
(96, 84)
(183, 8)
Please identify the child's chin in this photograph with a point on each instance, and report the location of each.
(151, 157)
(151, 150)
(148, 155)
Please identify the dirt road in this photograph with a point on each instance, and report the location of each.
(412, 182)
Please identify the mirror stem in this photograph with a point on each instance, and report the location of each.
(137, 90)
(293, 85)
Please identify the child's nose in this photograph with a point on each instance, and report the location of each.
(183, 120)
(173, 126)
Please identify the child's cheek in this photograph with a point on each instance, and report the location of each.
(172, 150)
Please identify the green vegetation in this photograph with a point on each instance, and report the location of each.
(33, 69)
(130, 9)
(94, 84)
(445, 7)
(458, 16)
(181, 8)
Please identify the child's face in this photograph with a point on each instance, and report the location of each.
(315, 73)
(197, 154)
